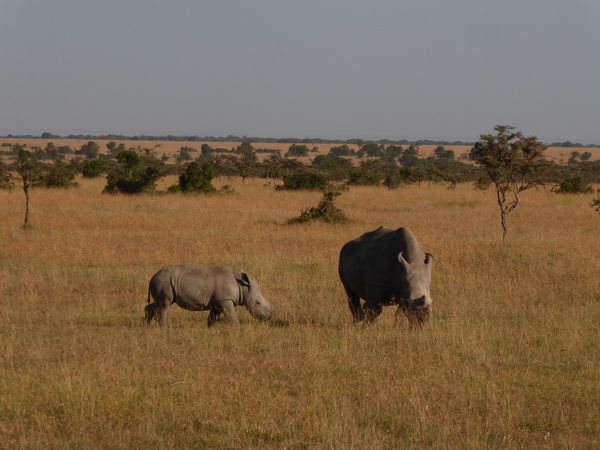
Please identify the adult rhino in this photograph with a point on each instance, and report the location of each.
(386, 267)
(215, 289)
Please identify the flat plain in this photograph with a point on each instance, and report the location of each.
(510, 359)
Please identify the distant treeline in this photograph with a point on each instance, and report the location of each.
(137, 170)
(289, 140)
(234, 138)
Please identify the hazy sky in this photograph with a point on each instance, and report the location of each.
(394, 69)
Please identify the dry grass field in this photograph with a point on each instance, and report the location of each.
(510, 360)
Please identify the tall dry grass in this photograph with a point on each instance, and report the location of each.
(511, 358)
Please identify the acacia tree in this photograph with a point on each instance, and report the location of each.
(272, 165)
(513, 163)
(30, 171)
(247, 163)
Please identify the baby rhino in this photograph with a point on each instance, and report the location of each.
(215, 289)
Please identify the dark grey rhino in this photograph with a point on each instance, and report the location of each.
(386, 267)
(215, 289)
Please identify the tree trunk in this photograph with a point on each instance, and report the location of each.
(26, 190)
(503, 212)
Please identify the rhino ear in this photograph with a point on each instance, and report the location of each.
(403, 262)
(244, 280)
(428, 258)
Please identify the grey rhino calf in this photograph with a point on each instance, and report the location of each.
(215, 289)
(386, 267)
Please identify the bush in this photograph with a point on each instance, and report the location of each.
(197, 177)
(304, 180)
(332, 166)
(59, 175)
(574, 185)
(89, 150)
(297, 150)
(134, 175)
(393, 180)
(372, 149)
(359, 177)
(92, 168)
(326, 211)
(342, 150)
(227, 190)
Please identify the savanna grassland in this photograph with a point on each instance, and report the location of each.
(510, 360)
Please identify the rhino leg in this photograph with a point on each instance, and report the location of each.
(355, 308)
(354, 304)
(372, 311)
(161, 316)
(213, 316)
(228, 309)
(150, 312)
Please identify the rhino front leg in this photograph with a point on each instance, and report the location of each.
(372, 311)
(355, 308)
(228, 309)
(213, 316)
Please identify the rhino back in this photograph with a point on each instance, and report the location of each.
(372, 257)
(198, 286)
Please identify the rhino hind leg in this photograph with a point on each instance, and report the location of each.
(213, 316)
(150, 312)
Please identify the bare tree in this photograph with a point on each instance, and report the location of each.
(513, 163)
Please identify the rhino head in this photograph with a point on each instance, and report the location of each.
(252, 297)
(412, 287)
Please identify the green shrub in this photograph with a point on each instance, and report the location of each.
(227, 190)
(134, 175)
(393, 180)
(326, 211)
(574, 185)
(92, 168)
(59, 175)
(304, 180)
(197, 177)
(359, 177)
(297, 150)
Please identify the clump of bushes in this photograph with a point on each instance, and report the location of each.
(197, 177)
(93, 168)
(133, 174)
(360, 177)
(574, 185)
(326, 211)
(304, 180)
(59, 175)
